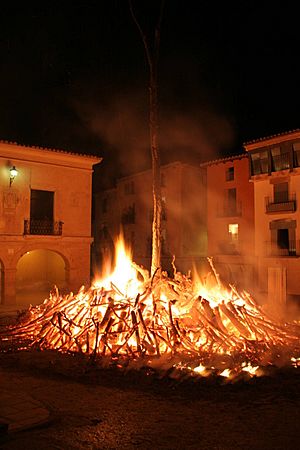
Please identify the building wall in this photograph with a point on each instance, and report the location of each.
(69, 176)
(183, 224)
(279, 163)
(234, 259)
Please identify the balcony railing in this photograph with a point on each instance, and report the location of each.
(43, 227)
(281, 203)
(291, 248)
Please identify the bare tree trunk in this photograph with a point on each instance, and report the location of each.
(156, 184)
(152, 59)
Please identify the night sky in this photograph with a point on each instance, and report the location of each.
(74, 76)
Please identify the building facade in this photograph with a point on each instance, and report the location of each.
(230, 219)
(275, 173)
(45, 221)
(129, 206)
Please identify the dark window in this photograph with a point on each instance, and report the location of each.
(280, 159)
(231, 199)
(281, 193)
(230, 174)
(259, 163)
(283, 238)
(128, 215)
(41, 205)
(163, 180)
(296, 148)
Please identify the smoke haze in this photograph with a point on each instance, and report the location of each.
(122, 124)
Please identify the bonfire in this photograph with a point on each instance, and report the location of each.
(181, 324)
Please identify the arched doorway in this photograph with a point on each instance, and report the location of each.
(38, 271)
(1, 283)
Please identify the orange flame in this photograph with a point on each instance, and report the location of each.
(197, 326)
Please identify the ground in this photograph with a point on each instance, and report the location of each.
(94, 408)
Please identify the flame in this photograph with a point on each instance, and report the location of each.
(124, 276)
(195, 325)
(226, 373)
(247, 367)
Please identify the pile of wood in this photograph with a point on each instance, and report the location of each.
(167, 317)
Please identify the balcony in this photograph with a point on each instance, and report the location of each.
(43, 227)
(282, 203)
(290, 249)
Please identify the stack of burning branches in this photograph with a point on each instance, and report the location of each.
(188, 323)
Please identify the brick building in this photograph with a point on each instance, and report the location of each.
(230, 219)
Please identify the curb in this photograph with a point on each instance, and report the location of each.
(19, 412)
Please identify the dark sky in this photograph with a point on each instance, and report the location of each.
(74, 76)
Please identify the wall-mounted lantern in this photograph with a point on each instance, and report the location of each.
(12, 175)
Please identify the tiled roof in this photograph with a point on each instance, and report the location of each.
(50, 149)
(284, 133)
(223, 160)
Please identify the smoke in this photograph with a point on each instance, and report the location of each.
(195, 137)
(122, 124)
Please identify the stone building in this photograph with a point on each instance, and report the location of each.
(275, 173)
(129, 205)
(45, 221)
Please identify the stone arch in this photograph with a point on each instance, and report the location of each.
(38, 270)
(36, 246)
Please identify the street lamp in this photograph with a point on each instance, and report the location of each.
(12, 175)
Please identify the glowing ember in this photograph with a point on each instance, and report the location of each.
(175, 323)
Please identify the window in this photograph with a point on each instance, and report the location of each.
(163, 180)
(231, 199)
(233, 230)
(296, 148)
(41, 205)
(281, 192)
(283, 238)
(230, 174)
(259, 163)
(41, 215)
(128, 215)
(280, 159)
(283, 235)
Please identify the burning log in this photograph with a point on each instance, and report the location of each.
(159, 317)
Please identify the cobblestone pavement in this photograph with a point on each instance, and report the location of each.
(20, 411)
(103, 410)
